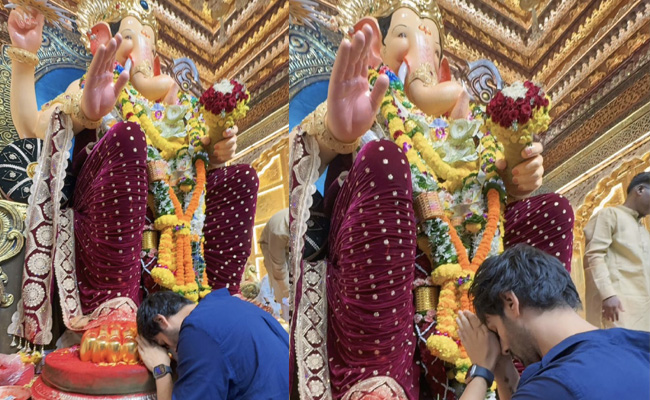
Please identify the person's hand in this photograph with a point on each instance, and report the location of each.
(100, 93)
(224, 150)
(26, 29)
(481, 344)
(152, 354)
(612, 307)
(351, 108)
(527, 175)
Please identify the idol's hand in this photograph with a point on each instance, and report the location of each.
(351, 108)
(100, 92)
(481, 344)
(26, 29)
(224, 150)
(526, 176)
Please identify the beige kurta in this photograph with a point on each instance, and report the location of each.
(274, 243)
(617, 262)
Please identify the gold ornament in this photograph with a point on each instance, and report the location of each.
(315, 125)
(351, 11)
(79, 115)
(426, 73)
(22, 56)
(426, 298)
(144, 68)
(91, 12)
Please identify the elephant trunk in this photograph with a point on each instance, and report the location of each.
(424, 90)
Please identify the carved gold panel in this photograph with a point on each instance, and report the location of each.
(272, 168)
(12, 241)
(270, 201)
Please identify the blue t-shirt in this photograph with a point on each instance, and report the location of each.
(231, 349)
(602, 364)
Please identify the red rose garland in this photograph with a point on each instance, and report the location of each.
(505, 111)
(218, 102)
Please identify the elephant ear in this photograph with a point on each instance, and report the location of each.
(375, 47)
(98, 35)
(444, 73)
(156, 66)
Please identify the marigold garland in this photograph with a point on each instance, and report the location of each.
(454, 272)
(175, 269)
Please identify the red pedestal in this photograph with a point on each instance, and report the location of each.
(65, 372)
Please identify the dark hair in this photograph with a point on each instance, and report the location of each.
(537, 279)
(165, 303)
(639, 179)
(384, 26)
(115, 27)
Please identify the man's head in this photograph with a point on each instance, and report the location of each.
(638, 194)
(160, 317)
(511, 289)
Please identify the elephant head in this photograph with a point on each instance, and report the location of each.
(100, 20)
(409, 41)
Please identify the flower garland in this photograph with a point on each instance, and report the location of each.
(408, 133)
(455, 271)
(222, 104)
(181, 264)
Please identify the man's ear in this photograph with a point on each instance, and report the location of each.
(162, 321)
(98, 35)
(510, 304)
(444, 73)
(375, 47)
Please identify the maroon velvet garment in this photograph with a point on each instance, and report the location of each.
(110, 203)
(370, 273)
(231, 201)
(544, 221)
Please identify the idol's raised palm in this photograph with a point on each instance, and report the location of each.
(351, 107)
(100, 92)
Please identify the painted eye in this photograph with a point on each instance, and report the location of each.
(402, 35)
(128, 37)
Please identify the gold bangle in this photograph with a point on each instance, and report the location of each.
(315, 125)
(81, 117)
(149, 240)
(23, 56)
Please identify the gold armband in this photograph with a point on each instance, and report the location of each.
(23, 56)
(79, 115)
(315, 125)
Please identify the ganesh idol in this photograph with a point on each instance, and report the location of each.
(422, 186)
(148, 177)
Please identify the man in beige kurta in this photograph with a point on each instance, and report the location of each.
(274, 243)
(617, 262)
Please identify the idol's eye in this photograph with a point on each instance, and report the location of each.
(402, 35)
(128, 37)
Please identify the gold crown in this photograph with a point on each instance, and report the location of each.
(351, 11)
(91, 12)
